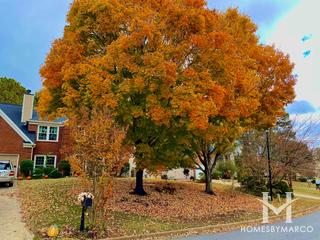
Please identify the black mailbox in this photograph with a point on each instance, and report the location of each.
(87, 202)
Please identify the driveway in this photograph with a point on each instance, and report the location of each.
(11, 225)
(303, 226)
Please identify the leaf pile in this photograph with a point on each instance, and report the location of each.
(181, 201)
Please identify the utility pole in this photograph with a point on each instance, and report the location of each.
(269, 164)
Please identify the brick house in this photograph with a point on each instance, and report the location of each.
(23, 136)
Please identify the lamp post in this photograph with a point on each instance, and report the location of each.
(269, 164)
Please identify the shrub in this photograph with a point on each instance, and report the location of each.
(48, 170)
(254, 185)
(165, 177)
(26, 167)
(65, 167)
(55, 174)
(226, 168)
(216, 174)
(281, 188)
(302, 179)
(38, 173)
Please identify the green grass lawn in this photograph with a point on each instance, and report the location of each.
(305, 189)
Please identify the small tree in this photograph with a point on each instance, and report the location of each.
(98, 153)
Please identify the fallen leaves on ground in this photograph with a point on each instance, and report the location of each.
(187, 202)
(169, 205)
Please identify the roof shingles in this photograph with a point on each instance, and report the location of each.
(14, 113)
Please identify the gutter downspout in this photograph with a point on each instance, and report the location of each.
(31, 157)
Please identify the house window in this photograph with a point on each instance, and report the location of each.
(42, 134)
(48, 133)
(53, 133)
(51, 161)
(41, 161)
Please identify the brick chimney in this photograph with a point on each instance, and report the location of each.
(27, 106)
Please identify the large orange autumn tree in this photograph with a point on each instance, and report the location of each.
(173, 72)
(232, 84)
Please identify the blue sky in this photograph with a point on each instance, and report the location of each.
(29, 27)
(27, 30)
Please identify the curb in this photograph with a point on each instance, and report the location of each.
(212, 228)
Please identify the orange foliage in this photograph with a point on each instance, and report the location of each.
(97, 141)
(97, 153)
(171, 62)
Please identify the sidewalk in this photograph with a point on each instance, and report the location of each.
(306, 196)
(11, 225)
(236, 184)
(226, 182)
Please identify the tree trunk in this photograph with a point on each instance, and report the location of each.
(95, 194)
(139, 184)
(290, 180)
(208, 176)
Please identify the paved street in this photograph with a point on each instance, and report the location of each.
(311, 221)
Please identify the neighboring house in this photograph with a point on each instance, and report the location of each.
(174, 174)
(178, 174)
(24, 136)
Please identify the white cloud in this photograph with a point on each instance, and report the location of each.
(287, 35)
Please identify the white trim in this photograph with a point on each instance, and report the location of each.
(15, 127)
(28, 145)
(55, 160)
(46, 122)
(45, 160)
(34, 160)
(48, 130)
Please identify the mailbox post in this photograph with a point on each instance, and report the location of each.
(86, 202)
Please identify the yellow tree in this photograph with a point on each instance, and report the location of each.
(98, 152)
(166, 69)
